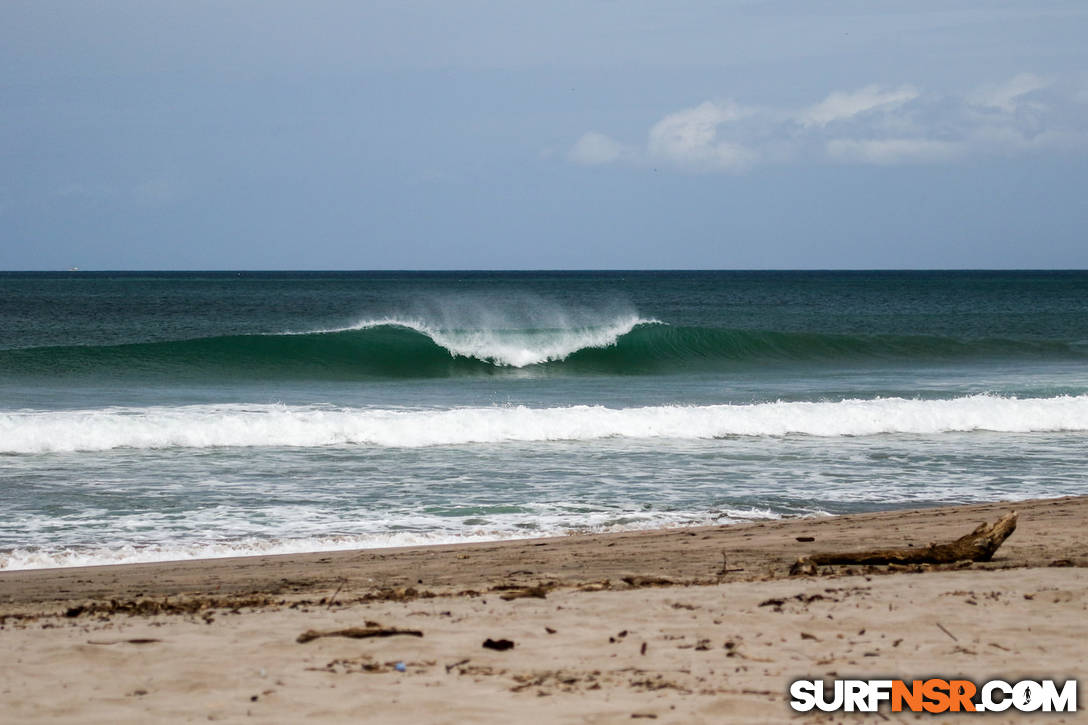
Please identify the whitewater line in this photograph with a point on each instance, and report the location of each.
(30, 432)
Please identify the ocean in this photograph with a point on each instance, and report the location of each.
(160, 416)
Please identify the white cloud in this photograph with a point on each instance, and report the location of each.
(869, 125)
(1008, 95)
(842, 105)
(690, 138)
(594, 149)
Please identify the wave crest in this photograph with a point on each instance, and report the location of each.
(518, 348)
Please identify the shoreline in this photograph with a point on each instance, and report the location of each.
(291, 548)
(763, 549)
(604, 628)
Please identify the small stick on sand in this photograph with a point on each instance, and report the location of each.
(333, 597)
(356, 633)
(457, 664)
(954, 637)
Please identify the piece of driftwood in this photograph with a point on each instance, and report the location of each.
(524, 593)
(979, 545)
(356, 633)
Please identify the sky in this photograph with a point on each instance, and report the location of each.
(569, 134)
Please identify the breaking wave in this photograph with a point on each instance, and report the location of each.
(32, 432)
(405, 348)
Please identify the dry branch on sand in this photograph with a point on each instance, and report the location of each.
(357, 633)
(979, 545)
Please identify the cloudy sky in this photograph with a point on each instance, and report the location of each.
(790, 134)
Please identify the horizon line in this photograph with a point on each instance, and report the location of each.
(527, 270)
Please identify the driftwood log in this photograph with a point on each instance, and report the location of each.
(979, 545)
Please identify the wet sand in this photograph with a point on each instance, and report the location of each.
(682, 625)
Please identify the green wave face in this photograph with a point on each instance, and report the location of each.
(393, 350)
(381, 352)
(660, 348)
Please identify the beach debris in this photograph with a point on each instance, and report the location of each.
(135, 640)
(565, 680)
(803, 599)
(549, 630)
(357, 633)
(806, 539)
(365, 664)
(457, 664)
(652, 683)
(397, 594)
(538, 592)
(333, 597)
(187, 605)
(600, 586)
(725, 565)
(648, 581)
(499, 645)
(942, 628)
(979, 545)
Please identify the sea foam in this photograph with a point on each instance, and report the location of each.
(430, 531)
(33, 432)
(515, 347)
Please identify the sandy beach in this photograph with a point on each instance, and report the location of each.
(681, 625)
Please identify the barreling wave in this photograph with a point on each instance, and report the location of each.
(31, 432)
(516, 348)
(393, 348)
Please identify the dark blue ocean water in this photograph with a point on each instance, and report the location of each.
(148, 416)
